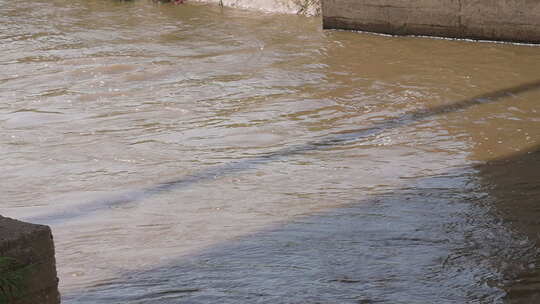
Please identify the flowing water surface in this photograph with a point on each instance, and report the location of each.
(194, 154)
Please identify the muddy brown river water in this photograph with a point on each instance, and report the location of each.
(193, 154)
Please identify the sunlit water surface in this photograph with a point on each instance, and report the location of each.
(193, 154)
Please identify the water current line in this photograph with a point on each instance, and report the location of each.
(230, 168)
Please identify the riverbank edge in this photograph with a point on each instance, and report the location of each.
(485, 20)
(298, 7)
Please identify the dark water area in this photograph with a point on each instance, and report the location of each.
(195, 154)
(513, 184)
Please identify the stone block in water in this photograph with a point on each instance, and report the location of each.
(27, 264)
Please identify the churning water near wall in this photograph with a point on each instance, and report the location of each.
(195, 154)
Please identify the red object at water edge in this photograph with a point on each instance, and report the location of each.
(178, 1)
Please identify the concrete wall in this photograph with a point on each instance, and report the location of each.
(27, 264)
(506, 20)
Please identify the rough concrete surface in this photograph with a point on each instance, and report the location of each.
(517, 20)
(301, 7)
(27, 264)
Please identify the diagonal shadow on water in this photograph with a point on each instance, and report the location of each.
(513, 183)
(429, 242)
(233, 167)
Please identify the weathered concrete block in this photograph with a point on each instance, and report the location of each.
(517, 20)
(27, 264)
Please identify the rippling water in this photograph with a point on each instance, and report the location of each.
(193, 154)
